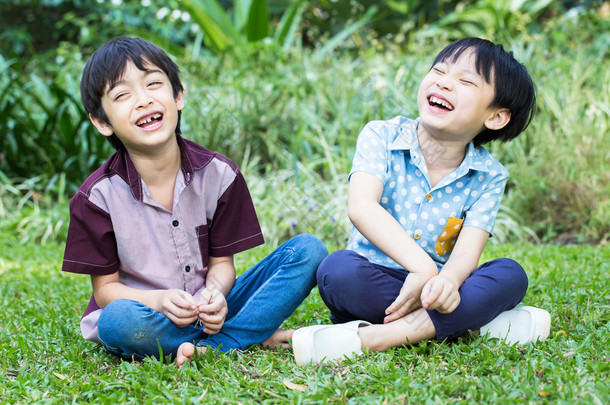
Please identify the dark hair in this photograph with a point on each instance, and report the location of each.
(107, 65)
(514, 89)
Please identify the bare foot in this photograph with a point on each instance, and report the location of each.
(279, 338)
(185, 351)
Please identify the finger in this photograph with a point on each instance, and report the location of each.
(181, 321)
(215, 325)
(211, 308)
(205, 296)
(435, 290)
(451, 304)
(173, 312)
(426, 291)
(409, 306)
(212, 328)
(211, 319)
(183, 300)
(398, 303)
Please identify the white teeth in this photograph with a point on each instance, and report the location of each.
(441, 102)
(149, 119)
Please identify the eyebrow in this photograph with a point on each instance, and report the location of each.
(119, 82)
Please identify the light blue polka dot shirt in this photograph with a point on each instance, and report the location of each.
(432, 216)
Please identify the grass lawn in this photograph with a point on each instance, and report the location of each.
(43, 358)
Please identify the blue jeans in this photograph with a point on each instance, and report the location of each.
(261, 299)
(354, 288)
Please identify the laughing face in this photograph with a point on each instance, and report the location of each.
(141, 109)
(454, 101)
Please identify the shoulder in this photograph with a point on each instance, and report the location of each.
(104, 172)
(388, 130)
(487, 162)
(200, 157)
(381, 137)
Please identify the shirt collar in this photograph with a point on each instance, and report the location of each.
(193, 158)
(477, 158)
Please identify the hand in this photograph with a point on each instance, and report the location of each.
(440, 293)
(408, 298)
(212, 310)
(179, 306)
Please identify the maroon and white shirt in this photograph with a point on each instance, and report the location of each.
(115, 225)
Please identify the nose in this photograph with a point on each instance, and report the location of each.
(444, 83)
(144, 99)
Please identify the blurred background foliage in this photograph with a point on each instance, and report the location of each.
(283, 87)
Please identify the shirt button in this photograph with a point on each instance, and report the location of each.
(416, 236)
(428, 197)
(187, 268)
(175, 222)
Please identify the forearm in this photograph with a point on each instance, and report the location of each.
(221, 274)
(458, 270)
(114, 290)
(465, 256)
(383, 231)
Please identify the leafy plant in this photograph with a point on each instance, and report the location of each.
(250, 23)
(45, 129)
(501, 19)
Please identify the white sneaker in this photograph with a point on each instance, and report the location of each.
(522, 324)
(322, 343)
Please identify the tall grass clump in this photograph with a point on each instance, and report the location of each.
(560, 170)
(34, 209)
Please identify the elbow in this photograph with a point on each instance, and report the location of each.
(356, 210)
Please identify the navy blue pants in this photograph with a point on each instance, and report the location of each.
(354, 288)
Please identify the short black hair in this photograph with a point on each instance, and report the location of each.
(514, 88)
(107, 65)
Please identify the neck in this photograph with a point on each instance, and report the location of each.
(440, 153)
(158, 167)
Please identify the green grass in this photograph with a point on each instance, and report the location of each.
(43, 358)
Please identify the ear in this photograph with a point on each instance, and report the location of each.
(103, 127)
(498, 119)
(180, 101)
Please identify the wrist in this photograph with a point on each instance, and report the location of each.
(447, 275)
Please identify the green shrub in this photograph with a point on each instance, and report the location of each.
(290, 117)
(45, 130)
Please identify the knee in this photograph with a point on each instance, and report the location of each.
(335, 270)
(514, 275)
(307, 251)
(118, 322)
(309, 248)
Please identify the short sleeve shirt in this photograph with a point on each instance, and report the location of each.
(432, 216)
(116, 225)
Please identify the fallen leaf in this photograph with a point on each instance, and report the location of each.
(561, 332)
(60, 376)
(294, 387)
(543, 393)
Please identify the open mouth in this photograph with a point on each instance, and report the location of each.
(150, 120)
(440, 103)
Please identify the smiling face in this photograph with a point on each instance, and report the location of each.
(454, 101)
(140, 108)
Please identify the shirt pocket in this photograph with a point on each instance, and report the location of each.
(446, 241)
(203, 240)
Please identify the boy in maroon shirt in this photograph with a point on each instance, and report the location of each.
(157, 225)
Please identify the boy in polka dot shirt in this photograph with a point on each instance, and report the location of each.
(423, 197)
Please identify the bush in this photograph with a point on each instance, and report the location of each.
(45, 130)
(291, 118)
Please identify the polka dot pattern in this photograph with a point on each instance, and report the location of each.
(471, 194)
